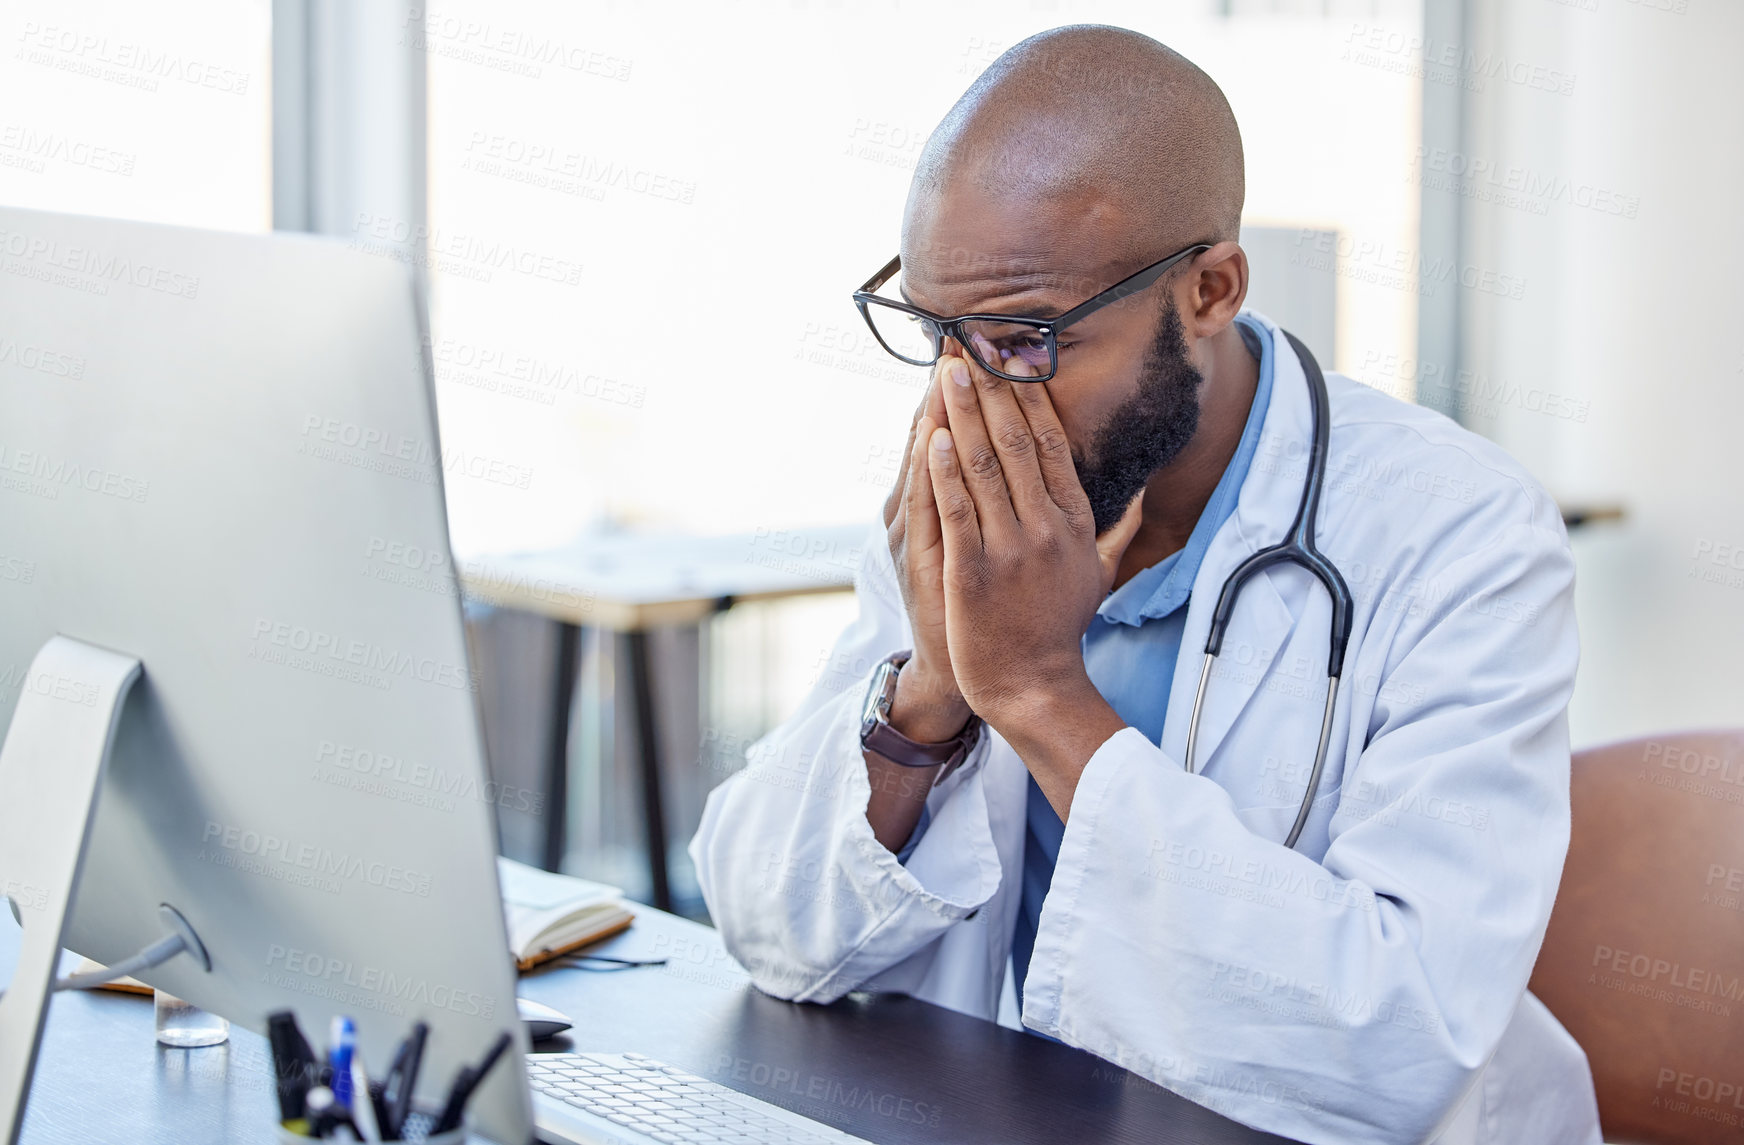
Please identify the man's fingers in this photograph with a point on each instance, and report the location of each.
(934, 405)
(1111, 546)
(976, 459)
(922, 510)
(931, 405)
(959, 521)
(1009, 431)
(893, 503)
(1053, 450)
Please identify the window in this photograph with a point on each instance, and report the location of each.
(158, 112)
(602, 189)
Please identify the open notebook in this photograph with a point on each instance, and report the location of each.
(548, 916)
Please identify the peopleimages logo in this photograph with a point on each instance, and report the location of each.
(397, 455)
(1647, 968)
(97, 265)
(520, 375)
(517, 51)
(368, 987)
(33, 149)
(31, 357)
(28, 896)
(416, 775)
(1695, 763)
(138, 65)
(1351, 256)
(268, 849)
(45, 475)
(447, 248)
(360, 661)
(827, 1091)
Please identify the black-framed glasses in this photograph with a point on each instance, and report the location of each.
(918, 337)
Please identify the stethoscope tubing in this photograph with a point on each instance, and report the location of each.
(1299, 549)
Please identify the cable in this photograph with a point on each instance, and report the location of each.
(183, 939)
(156, 954)
(576, 960)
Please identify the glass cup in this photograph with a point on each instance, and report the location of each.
(184, 1025)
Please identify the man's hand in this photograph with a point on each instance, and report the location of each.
(1023, 570)
(929, 708)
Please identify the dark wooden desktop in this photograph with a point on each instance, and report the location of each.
(886, 1068)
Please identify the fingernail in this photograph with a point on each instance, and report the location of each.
(958, 371)
(942, 439)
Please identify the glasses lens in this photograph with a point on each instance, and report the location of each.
(1011, 343)
(909, 337)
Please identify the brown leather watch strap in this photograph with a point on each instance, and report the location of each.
(877, 735)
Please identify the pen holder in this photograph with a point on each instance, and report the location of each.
(414, 1128)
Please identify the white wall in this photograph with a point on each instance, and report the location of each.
(1624, 343)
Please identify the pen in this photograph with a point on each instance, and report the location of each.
(383, 1112)
(293, 1062)
(465, 1082)
(401, 1087)
(326, 1118)
(362, 1108)
(342, 1044)
(322, 1117)
(457, 1095)
(491, 1055)
(378, 1092)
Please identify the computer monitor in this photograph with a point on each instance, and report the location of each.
(218, 454)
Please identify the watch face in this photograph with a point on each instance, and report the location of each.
(874, 697)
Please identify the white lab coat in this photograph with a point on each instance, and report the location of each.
(1368, 986)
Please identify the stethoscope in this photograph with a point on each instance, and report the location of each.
(1297, 548)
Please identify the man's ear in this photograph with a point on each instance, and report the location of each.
(1214, 289)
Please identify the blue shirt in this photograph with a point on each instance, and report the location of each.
(1131, 647)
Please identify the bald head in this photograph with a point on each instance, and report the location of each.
(1106, 120)
(1083, 155)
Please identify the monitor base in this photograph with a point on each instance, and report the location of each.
(50, 768)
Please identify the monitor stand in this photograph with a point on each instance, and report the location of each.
(50, 768)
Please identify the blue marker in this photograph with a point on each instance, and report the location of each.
(342, 1045)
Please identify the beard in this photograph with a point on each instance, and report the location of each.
(1147, 430)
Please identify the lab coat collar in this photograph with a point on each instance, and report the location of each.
(1262, 621)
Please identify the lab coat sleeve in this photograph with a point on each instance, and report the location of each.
(1353, 999)
(803, 895)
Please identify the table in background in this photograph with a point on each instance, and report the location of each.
(628, 583)
(887, 1068)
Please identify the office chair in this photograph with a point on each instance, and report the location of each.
(1643, 961)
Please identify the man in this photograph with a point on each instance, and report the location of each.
(1055, 551)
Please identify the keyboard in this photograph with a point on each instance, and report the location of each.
(628, 1099)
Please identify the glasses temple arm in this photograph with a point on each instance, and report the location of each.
(882, 277)
(1125, 288)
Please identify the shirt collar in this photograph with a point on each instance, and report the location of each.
(1165, 586)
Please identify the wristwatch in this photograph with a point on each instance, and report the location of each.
(877, 735)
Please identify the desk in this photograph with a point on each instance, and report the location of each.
(890, 1069)
(630, 582)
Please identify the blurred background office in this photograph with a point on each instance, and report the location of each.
(639, 224)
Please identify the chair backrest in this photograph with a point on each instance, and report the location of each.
(1643, 961)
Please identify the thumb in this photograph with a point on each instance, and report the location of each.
(1111, 546)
